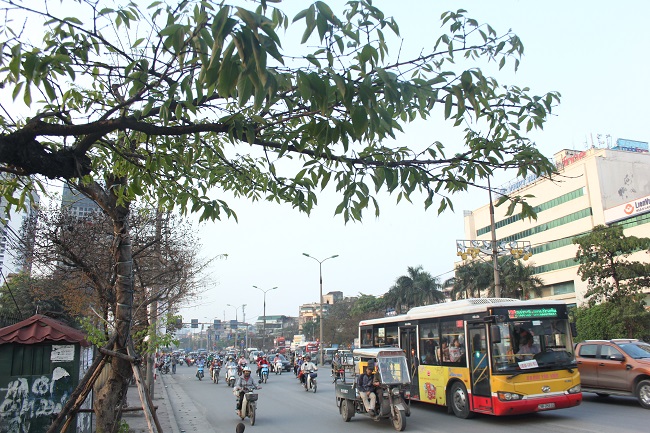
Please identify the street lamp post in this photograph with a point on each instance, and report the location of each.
(236, 320)
(264, 318)
(320, 273)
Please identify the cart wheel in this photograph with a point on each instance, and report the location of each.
(399, 420)
(347, 410)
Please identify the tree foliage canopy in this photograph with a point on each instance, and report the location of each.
(416, 288)
(182, 98)
(476, 277)
(604, 257)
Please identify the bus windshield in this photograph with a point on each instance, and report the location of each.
(542, 344)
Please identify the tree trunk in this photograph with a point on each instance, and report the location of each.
(109, 396)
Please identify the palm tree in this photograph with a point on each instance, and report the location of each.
(470, 280)
(414, 289)
(519, 280)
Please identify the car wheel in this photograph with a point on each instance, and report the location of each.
(643, 393)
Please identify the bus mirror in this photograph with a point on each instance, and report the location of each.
(574, 330)
(495, 334)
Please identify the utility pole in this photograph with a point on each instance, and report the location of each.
(495, 252)
(243, 313)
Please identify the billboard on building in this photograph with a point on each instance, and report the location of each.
(623, 180)
(628, 210)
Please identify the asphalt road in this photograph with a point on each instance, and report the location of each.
(284, 406)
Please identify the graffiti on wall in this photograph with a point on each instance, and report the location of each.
(29, 398)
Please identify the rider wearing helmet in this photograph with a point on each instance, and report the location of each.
(307, 367)
(262, 361)
(244, 383)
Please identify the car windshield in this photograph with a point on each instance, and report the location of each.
(393, 369)
(541, 344)
(636, 350)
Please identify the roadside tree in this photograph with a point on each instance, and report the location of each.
(412, 290)
(176, 104)
(615, 300)
(470, 280)
(604, 257)
(518, 280)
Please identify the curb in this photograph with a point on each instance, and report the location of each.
(170, 408)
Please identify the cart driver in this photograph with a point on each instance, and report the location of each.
(367, 384)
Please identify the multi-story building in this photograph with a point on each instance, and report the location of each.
(17, 239)
(309, 312)
(275, 325)
(78, 204)
(594, 187)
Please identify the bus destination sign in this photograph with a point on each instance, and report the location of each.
(529, 313)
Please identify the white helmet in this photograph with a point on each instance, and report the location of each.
(246, 369)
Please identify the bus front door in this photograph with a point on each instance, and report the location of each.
(479, 368)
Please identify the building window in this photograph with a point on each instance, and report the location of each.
(538, 209)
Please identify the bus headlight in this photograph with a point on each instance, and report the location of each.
(509, 396)
(574, 389)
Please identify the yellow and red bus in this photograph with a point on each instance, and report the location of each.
(494, 356)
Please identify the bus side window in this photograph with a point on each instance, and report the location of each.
(429, 344)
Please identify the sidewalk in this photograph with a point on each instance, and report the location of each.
(136, 420)
(176, 413)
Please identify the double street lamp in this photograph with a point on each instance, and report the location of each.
(237, 321)
(264, 319)
(320, 273)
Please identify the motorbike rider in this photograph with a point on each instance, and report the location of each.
(297, 365)
(306, 368)
(277, 360)
(367, 384)
(262, 361)
(199, 365)
(245, 381)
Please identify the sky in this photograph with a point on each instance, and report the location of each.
(592, 52)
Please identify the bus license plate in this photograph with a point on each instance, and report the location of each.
(546, 406)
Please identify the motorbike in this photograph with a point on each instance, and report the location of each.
(264, 373)
(278, 367)
(393, 390)
(199, 371)
(231, 374)
(165, 368)
(215, 373)
(310, 381)
(248, 405)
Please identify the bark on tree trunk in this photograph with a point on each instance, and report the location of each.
(109, 397)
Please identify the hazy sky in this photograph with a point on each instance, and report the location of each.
(592, 52)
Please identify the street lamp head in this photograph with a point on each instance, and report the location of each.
(335, 255)
(305, 254)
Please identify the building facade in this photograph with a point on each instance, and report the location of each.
(17, 239)
(309, 312)
(594, 187)
(78, 204)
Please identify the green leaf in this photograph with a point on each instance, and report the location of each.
(359, 118)
(449, 103)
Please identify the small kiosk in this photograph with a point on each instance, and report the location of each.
(41, 363)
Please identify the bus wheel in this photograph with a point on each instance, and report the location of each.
(460, 401)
